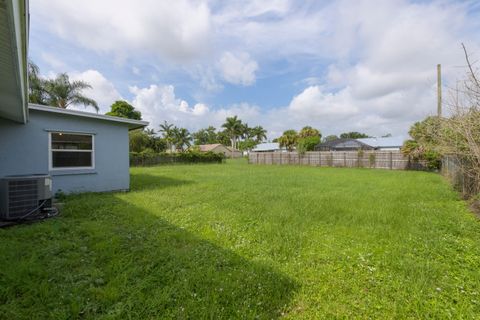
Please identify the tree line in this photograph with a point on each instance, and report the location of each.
(235, 133)
(307, 138)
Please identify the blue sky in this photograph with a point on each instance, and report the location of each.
(336, 65)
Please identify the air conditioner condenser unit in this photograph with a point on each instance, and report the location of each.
(23, 196)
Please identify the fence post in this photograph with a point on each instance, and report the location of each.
(345, 159)
(391, 160)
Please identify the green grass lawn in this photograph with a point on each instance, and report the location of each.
(244, 241)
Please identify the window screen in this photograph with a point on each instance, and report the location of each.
(71, 150)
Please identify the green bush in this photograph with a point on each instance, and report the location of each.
(148, 157)
(418, 152)
(308, 143)
(433, 158)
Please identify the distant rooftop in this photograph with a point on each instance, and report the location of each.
(383, 142)
(270, 146)
(208, 147)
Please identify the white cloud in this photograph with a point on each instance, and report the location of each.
(269, 28)
(238, 68)
(159, 103)
(102, 91)
(371, 64)
(312, 106)
(255, 9)
(340, 111)
(136, 71)
(332, 113)
(178, 30)
(312, 103)
(205, 76)
(382, 57)
(53, 61)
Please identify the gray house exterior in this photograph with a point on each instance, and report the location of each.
(82, 151)
(29, 149)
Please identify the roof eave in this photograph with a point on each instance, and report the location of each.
(15, 107)
(132, 124)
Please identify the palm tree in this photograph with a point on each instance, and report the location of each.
(308, 131)
(245, 131)
(150, 131)
(288, 139)
(233, 126)
(181, 138)
(61, 92)
(259, 134)
(167, 132)
(211, 132)
(36, 85)
(223, 137)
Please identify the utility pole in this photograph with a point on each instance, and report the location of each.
(439, 90)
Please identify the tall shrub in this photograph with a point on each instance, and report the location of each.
(461, 131)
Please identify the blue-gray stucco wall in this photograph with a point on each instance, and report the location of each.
(24, 150)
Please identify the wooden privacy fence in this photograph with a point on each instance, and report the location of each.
(394, 160)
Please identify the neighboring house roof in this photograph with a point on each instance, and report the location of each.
(132, 124)
(342, 144)
(209, 147)
(375, 143)
(270, 146)
(390, 142)
(13, 60)
(232, 149)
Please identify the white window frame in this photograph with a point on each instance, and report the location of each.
(50, 152)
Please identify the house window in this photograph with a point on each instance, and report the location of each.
(71, 151)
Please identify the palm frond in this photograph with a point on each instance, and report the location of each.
(79, 85)
(80, 99)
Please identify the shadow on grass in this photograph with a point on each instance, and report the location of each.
(105, 257)
(141, 181)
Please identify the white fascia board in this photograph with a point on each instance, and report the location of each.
(132, 124)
